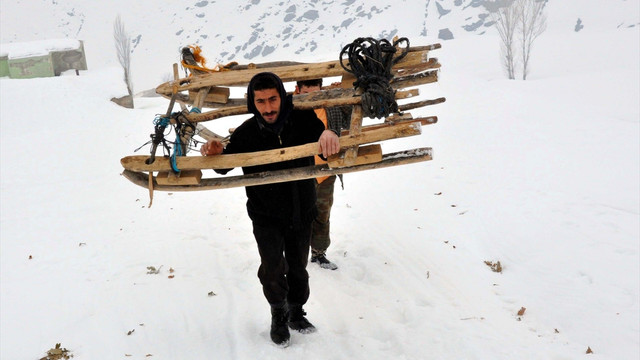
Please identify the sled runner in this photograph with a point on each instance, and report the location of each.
(375, 74)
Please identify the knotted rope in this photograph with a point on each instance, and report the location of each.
(201, 62)
(181, 126)
(370, 61)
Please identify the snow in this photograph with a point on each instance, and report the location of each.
(18, 50)
(541, 175)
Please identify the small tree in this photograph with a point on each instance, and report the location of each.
(524, 18)
(531, 23)
(505, 19)
(123, 49)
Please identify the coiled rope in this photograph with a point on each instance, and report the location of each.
(370, 61)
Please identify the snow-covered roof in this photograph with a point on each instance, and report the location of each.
(19, 50)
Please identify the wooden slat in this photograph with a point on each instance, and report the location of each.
(430, 64)
(347, 80)
(350, 154)
(207, 134)
(366, 155)
(309, 103)
(137, 162)
(419, 104)
(423, 121)
(225, 182)
(185, 177)
(217, 95)
(425, 47)
(414, 80)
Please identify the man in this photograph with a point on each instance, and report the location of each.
(336, 119)
(281, 213)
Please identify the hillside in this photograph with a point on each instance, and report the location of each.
(260, 31)
(542, 175)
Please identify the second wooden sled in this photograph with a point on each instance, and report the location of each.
(360, 148)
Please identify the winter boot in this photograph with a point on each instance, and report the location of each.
(322, 260)
(297, 321)
(279, 330)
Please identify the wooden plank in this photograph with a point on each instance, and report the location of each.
(185, 177)
(366, 155)
(347, 80)
(423, 121)
(398, 117)
(419, 104)
(414, 80)
(430, 64)
(286, 73)
(225, 182)
(217, 94)
(138, 162)
(207, 134)
(185, 99)
(425, 47)
(350, 155)
(340, 97)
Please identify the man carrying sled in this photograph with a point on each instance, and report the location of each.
(281, 213)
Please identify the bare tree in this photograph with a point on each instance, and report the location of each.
(531, 23)
(123, 49)
(506, 17)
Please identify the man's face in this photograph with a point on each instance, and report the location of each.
(307, 89)
(267, 102)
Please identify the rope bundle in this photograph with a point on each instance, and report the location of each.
(181, 127)
(370, 61)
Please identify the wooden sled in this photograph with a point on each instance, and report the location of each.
(360, 148)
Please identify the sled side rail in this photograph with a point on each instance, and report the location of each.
(286, 73)
(225, 182)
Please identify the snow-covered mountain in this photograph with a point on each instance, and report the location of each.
(259, 30)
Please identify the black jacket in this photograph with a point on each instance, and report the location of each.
(280, 204)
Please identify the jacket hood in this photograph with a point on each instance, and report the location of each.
(286, 102)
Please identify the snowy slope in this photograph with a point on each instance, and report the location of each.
(541, 175)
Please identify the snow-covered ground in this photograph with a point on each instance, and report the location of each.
(542, 175)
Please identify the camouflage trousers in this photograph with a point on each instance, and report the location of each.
(320, 239)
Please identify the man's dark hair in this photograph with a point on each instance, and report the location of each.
(308, 83)
(264, 81)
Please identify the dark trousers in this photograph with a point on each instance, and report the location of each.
(284, 253)
(320, 238)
